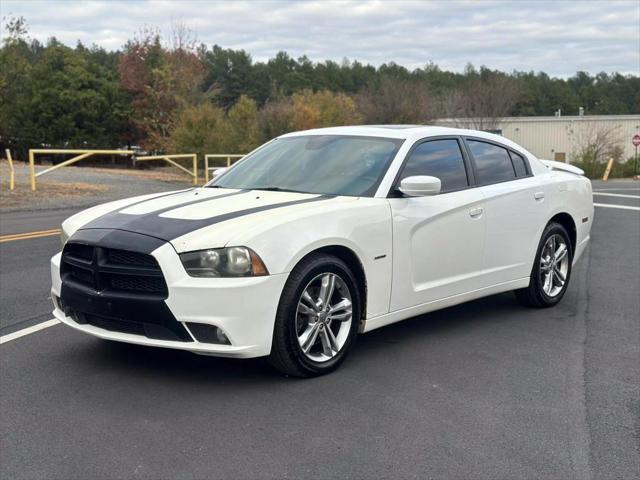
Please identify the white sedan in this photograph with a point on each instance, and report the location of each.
(317, 236)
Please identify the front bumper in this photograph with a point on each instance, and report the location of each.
(244, 308)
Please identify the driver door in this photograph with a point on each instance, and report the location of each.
(438, 241)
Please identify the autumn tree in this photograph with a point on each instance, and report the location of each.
(323, 109)
(162, 81)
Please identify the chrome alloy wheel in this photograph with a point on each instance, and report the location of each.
(323, 317)
(554, 265)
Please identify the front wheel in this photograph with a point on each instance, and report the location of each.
(317, 319)
(551, 269)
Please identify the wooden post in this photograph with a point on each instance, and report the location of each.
(195, 169)
(607, 171)
(32, 171)
(12, 173)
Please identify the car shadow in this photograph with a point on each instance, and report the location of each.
(180, 366)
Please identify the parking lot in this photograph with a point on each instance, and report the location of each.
(487, 389)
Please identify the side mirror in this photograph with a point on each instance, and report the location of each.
(218, 171)
(420, 186)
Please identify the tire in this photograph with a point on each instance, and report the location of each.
(540, 293)
(297, 318)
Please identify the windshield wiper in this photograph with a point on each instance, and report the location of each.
(277, 189)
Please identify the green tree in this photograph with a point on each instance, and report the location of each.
(200, 129)
(243, 127)
(16, 63)
(57, 96)
(74, 103)
(230, 74)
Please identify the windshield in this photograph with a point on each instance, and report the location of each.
(323, 164)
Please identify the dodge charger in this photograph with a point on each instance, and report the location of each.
(318, 236)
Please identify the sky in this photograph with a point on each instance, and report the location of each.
(558, 37)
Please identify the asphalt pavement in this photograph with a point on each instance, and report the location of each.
(24, 275)
(487, 389)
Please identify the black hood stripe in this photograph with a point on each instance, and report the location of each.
(122, 221)
(199, 200)
(177, 192)
(152, 224)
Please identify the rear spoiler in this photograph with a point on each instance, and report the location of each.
(563, 167)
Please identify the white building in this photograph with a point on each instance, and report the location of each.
(558, 138)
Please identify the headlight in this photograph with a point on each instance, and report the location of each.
(63, 237)
(223, 262)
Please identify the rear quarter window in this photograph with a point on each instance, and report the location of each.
(493, 163)
(519, 164)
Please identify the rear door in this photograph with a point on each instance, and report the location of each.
(514, 210)
(438, 241)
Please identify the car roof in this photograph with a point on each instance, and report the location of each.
(395, 131)
(406, 132)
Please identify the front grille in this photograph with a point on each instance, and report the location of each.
(106, 269)
(112, 287)
(112, 324)
(128, 283)
(124, 257)
(172, 331)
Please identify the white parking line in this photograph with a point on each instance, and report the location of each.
(617, 189)
(616, 195)
(29, 330)
(622, 207)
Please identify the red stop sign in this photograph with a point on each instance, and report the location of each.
(636, 140)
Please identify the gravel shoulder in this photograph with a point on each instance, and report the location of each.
(82, 187)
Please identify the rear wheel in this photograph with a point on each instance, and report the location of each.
(317, 317)
(551, 269)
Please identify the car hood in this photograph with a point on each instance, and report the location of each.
(181, 217)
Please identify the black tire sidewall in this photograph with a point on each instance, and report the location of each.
(546, 300)
(327, 265)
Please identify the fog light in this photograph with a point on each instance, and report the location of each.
(222, 337)
(208, 333)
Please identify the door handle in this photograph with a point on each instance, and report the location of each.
(538, 196)
(475, 212)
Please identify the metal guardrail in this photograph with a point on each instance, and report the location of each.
(81, 155)
(12, 172)
(228, 156)
(171, 160)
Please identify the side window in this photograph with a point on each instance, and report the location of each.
(492, 162)
(519, 164)
(438, 158)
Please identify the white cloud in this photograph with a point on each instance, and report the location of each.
(559, 37)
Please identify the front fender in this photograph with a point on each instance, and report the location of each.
(364, 227)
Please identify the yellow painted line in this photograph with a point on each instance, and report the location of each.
(29, 330)
(29, 235)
